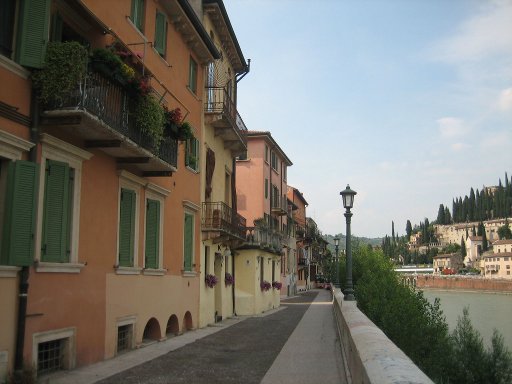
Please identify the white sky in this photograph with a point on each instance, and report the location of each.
(408, 101)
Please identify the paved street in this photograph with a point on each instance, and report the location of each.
(294, 344)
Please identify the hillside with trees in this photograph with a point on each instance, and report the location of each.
(479, 206)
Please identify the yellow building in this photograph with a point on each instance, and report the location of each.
(497, 264)
(225, 138)
(449, 263)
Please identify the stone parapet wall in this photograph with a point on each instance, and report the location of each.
(463, 283)
(369, 355)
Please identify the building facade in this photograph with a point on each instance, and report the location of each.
(103, 180)
(260, 262)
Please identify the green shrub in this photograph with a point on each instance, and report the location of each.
(419, 328)
(64, 67)
(149, 118)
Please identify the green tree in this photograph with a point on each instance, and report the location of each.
(408, 230)
(463, 247)
(504, 231)
(500, 360)
(441, 215)
(471, 362)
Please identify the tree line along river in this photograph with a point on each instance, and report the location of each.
(487, 310)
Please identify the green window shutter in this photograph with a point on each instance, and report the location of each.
(56, 213)
(160, 33)
(152, 233)
(192, 77)
(56, 28)
(33, 32)
(188, 239)
(19, 219)
(137, 13)
(126, 227)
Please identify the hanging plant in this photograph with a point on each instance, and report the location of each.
(265, 285)
(229, 279)
(277, 285)
(210, 280)
(64, 68)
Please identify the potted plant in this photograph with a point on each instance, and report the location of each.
(64, 68)
(229, 279)
(277, 285)
(185, 131)
(210, 280)
(265, 285)
(149, 118)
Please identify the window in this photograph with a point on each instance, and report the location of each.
(160, 33)
(18, 194)
(127, 224)
(266, 188)
(192, 75)
(7, 26)
(242, 156)
(53, 350)
(59, 205)
(188, 242)
(137, 14)
(227, 188)
(152, 244)
(262, 270)
(206, 260)
(57, 212)
(125, 339)
(30, 23)
(18, 182)
(274, 161)
(192, 154)
(284, 171)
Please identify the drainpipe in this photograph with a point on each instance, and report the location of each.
(234, 281)
(25, 271)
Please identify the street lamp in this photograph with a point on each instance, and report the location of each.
(348, 203)
(337, 263)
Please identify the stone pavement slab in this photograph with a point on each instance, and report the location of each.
(312, 353)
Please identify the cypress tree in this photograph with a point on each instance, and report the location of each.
(408, 230)
(440, 215)
(485, 244)
(463, 247)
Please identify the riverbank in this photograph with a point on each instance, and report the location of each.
(463, 283)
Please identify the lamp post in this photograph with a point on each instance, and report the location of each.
(337, 263)
(348, 203)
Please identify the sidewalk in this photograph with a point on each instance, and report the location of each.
(296, 343)
(104, 369)
(312, 353)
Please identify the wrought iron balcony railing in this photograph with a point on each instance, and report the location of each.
(279, 205)
(110, 107)
(226, 119)
(219, 217)
(264, 238)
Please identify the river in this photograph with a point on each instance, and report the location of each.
(486, 310)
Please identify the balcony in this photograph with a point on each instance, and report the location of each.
(279, 205)
(220, 218)
(98, 112)
(221, 113)
(263, 238)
